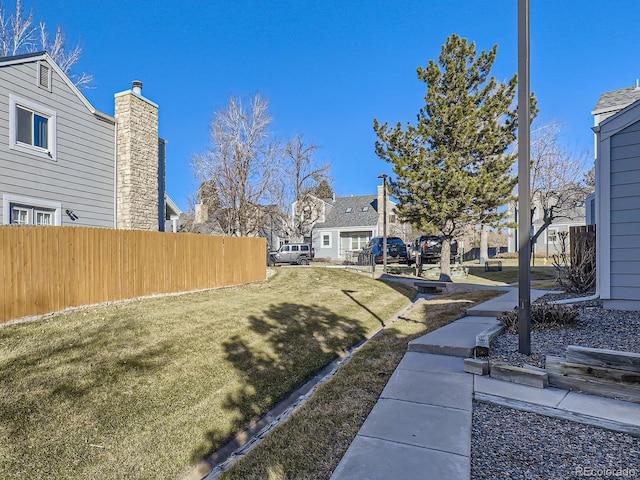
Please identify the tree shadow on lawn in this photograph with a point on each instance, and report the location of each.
(69, 368)
(290, 344)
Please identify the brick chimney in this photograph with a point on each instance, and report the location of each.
(137, 188)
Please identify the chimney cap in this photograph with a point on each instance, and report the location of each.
(137, 87)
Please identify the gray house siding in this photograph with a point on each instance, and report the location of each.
(81, 176)
(322, 251)
(625, 214)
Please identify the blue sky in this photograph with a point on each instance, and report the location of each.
(328, 68)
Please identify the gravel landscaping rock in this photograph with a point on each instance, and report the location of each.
(596, 328)
(510, 444)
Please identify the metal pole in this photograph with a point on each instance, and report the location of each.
(524, 207)
(384, 222)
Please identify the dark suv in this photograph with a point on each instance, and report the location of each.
(396, 251)
(430, 247)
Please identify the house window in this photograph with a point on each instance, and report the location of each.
(365, 208)
(358, 242)
(553, 236)
(349, 210)
(32, 128)
(326, 240)
(18, 210)
(19, 215)
(392, 218)
(28, 215)
(44, 217)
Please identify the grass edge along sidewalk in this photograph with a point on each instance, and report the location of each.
(312, 441)
(146, 389)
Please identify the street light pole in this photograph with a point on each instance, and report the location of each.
(524, 206)
(384, 222)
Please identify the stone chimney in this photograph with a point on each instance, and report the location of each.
(137, 188)
(202, 213)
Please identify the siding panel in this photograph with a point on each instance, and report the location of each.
(629, 190)
(631, 151)
(621, 165)
(625, 267)
(625, 178)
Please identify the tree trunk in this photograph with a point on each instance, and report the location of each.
(484, 242)
(445, 260)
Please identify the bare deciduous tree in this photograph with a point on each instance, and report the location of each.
(242, 163)
(302, 176)
(18, 35)
(556, 178)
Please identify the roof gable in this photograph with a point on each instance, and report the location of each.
(616, 100)
(45, 57)
(629, 115)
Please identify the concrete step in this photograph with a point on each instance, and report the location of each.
(503, 303)
(456, 339)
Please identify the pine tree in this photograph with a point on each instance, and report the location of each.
(452, 168)
(323, 190)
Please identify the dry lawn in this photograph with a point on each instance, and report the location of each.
(145, 389)
(312, 442)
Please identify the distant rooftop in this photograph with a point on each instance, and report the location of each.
(616, 100)
(358, 211)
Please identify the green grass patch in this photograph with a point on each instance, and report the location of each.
(543, 277)
(145, 389)
(311, 443)
(509, 274)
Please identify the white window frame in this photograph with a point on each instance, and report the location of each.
(358, 244)
(50, 115)
(21, 209)
(552, 235)
(36, 204)
(328, 235)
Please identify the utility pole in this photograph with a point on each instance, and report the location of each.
(524, 207)
(384, 222)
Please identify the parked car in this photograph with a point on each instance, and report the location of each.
(396, 251)
(429, 247)
(298, 253)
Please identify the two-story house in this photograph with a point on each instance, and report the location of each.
(62, 162)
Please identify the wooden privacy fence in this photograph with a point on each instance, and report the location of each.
(48, 269)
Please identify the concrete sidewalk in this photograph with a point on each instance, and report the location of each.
(420, 428)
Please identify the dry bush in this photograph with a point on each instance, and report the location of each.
(576, 270)
(543, 317)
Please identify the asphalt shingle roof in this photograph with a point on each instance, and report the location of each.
(358, 216)
(616, 100)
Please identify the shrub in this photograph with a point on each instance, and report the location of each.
(576, 269)
(543, 317)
